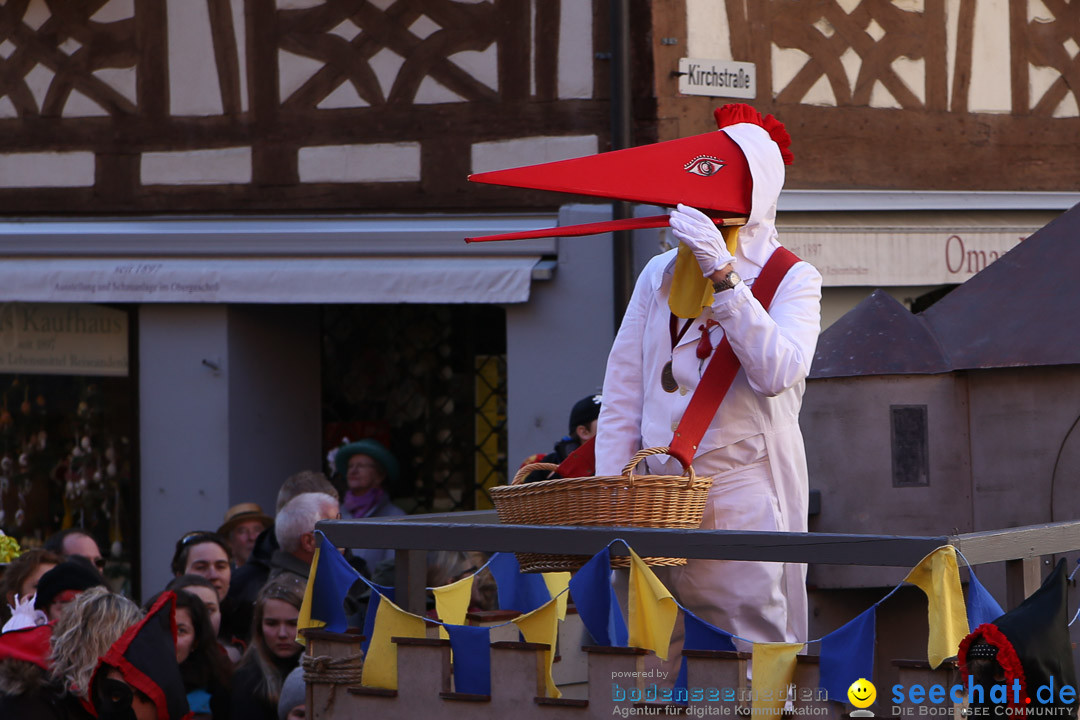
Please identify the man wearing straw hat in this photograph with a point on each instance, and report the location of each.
(752, 445)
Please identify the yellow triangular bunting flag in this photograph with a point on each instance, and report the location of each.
(938, 577)
(542, 626)
(556, 583)
(772, 667)
(652, 609)
(380, 663)
(304, 621)
(452, 603)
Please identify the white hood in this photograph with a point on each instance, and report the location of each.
(758, 238)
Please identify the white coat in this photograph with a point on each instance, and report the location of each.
(753, 446)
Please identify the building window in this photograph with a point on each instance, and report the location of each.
(67, 409)
(429, 382)
(910, 450)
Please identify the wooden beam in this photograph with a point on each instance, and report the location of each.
(480, 532)
(1029, 541)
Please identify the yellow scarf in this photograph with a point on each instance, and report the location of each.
(690, 290)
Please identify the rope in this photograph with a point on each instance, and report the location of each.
(333, 671)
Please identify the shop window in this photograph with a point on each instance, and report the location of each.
(429, 382)
(910, 452)
(66, 428)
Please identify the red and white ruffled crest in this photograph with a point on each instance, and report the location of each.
(735, 113)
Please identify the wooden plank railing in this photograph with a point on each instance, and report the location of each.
(411, 536)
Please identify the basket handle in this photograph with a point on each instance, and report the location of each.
(640, 455)
(525, 470)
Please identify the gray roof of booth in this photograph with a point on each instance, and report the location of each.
(1021, 310)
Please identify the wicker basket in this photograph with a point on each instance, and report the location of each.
(627, 500)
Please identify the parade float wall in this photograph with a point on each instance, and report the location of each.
(1003, 447)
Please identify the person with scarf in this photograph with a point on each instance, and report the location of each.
(367, 466)
(685, 302)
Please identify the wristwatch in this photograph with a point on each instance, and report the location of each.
(727, 282)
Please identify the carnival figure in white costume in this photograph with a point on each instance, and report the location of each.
(685, 302)
(753, 447)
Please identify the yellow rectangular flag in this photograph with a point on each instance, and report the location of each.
(938, 576)
(772, 666)
(556, 583)
(380, 663)
(452, 603)
(542, 626)
(651, 611)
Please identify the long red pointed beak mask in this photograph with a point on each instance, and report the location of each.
(709, 172)
(706, 171)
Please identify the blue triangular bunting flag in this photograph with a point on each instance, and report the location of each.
(377, 593)
(699, 635)
(847, 654)
(981, 605)
(519, 591)
(331, 579)
(596, 603)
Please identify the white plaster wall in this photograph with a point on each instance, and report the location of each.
(377, 162)
(115, 10)
(502, 154)
(193, 78)
(240, 29)
(482, 65)
(295, 70)
(707, 34)
(575, 70)
(226, 166)
(47, 169)
(991, 88)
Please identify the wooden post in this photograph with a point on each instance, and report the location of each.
(1022, 577)
(410, 579)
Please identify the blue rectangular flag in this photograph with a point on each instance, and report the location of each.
(472, 658)
(847, 654)
(519, 591)
(596, 602)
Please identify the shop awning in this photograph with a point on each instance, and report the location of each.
(381, 279)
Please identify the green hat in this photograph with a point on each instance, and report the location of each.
(374, 450)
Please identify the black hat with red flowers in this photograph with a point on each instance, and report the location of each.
(1028, 651)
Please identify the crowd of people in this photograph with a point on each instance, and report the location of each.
(234, 601)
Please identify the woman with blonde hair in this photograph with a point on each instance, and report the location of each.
(89, 626)
(45, 671)
(273, 652)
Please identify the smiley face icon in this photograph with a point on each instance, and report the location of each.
(862, 693)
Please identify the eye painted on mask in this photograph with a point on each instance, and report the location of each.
(704, 165)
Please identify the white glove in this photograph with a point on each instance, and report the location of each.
(23, 615)
(702, 236)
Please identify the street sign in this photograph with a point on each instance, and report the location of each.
(717, 78)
